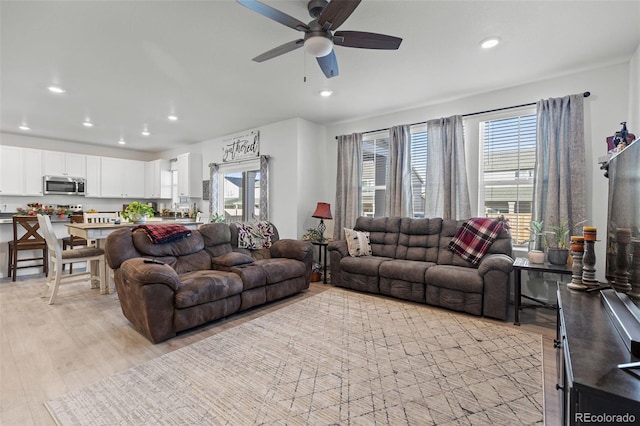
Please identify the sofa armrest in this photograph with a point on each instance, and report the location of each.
(136, 271)
(292, 249)
(495, 262)
(339, 246)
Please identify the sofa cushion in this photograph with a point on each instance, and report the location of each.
(232, 259)
(383, 234)
(405, 270)
(458, 278)
(199, 287)
(366, 265)
(358, 242)
(279, 269)
(418, 239)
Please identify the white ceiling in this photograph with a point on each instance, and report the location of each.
(127, 64)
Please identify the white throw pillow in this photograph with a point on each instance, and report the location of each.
(357, 242)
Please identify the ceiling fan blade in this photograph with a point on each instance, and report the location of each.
(365, 40)
(280, 50)
(329, 64)
(275, 14)
(336, 12)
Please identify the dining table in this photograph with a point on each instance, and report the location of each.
(99, 232)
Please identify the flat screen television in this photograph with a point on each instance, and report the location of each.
(623, 171)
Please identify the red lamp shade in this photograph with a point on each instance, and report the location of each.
(323, 211)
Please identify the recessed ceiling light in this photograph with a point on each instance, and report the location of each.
(490, 42)
(172, 117)
(24, 127)
(87, 123)
(121, 141)
(56, 89)
(326, 93)
(145, 132)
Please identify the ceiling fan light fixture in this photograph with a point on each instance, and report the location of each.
(490, 42)
(56, 89)
(318, 46)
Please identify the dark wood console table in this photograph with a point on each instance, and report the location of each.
(590, 350)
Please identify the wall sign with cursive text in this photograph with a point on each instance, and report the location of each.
(241, 147)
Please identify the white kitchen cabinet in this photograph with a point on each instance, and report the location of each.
(189, 167)
(20, 171)
(93, 185)
(157, 179)
(33, 172)
(121, 178)
(64, 164)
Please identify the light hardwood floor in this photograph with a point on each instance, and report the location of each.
(49, 350)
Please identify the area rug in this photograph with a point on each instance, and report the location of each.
(337, 358)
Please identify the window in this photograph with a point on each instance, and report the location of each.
(240, 189)
(418, 168)
(508, 156)
(375, 150)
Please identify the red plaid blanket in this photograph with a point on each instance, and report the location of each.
(474, 238)
(159, 234)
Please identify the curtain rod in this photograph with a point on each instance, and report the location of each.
(585, 94)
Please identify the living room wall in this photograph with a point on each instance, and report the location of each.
(296, 171)
(607, 106)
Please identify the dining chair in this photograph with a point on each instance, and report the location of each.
(73, 241)
(26, 236)
(58, 257)
(100, 217)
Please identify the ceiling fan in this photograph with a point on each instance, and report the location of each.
(319, 36)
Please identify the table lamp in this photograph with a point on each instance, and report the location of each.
(323, 211)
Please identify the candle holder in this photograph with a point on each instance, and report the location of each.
(621, 278)
(577, 253)
(589, 258)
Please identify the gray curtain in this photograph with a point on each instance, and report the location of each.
(447, 190)
(348, 188)
(214, 195)
(397, 200)
(264, 187)
(559, 189)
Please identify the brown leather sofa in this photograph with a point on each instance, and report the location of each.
(411, 260)
(200, 278)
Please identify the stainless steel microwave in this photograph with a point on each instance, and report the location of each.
(63, 185)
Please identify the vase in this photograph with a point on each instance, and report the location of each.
(138, 217)
(557, 256)
(536, 256)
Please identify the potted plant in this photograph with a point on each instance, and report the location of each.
(217, 218)
(536, 242)
(137, 212)
(313, 234)
(556, 240)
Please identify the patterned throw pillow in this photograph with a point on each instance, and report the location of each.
(357, 242)
(255, 236)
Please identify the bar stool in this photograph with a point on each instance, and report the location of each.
(71, 241)
(30, 240)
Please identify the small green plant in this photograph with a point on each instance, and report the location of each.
(312, 234)
(537, 235)
(558, 236)
(217, 218)
(136, 208)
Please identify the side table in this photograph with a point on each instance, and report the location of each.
(523, 264)
(322, 257)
